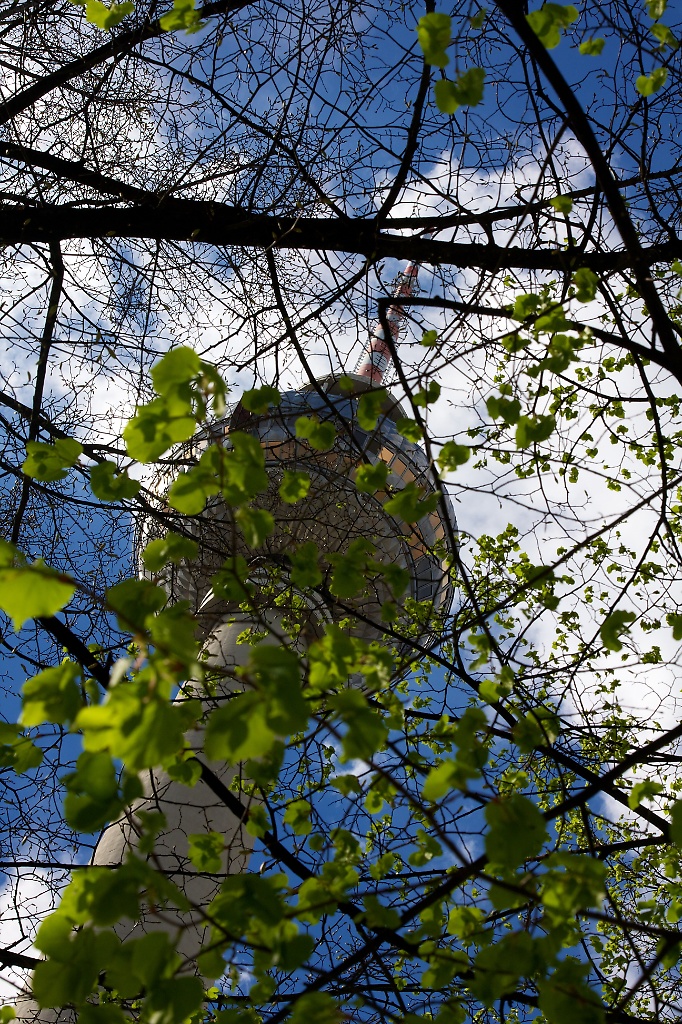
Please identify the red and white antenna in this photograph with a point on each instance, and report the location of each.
(377, 357)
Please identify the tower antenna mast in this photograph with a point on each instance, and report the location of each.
(377, 357)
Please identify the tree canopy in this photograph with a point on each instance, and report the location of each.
(459, 811)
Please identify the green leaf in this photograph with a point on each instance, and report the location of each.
(643, 791)
(613, 627)
(171, 548)
(135, 601)
(572, 883)
(586, 282)
(656, 8)
(517, 831)
(409, 429)
(206, 851)
(445, 777)
(48, 462)
(256, 524)
(156, 427)
(350, 568)
(16, 750)
(173, 1000)
(92, 797)
(105, 17)
(316, 1008)
(297, 815)
(491, 690)
(175, 370)
(429, 339)
(238, 730)
(477, 19)
(499, 966)
(539, 727)
(109, 483)
(305, 569)
(453, 455)
(553, 320)
(369, 407)
(533, 430)
(230, 583)
(257, 823)
(186, 769)
(466, 91)
(294, 486)
(410, 505)
(259, 400)
(248, 724)
(276, 672)
(527, 305)
(592, 47)
(370, 478)
(348, 785)
(665, 37)
(550, 21)
(52, 696)
(319, 436)
(428, 395)
(434, 31)
(675, 621)
(190, 490)
(647, 85)
(562, 204)
(239, 472)
(564, 997)
(466, 923)
(137, 721)
(30, 591)
(506, 409)
(366, 731)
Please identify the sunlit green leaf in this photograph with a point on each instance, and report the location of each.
(550, 21)
(647, 85)
(206, 851)
(29, 591)
(466, 91)
(171, 548)
(52, 696)
(294, 486)
(105, 17)
(643, 791)
(586, 282)
(433, 32)
(592, 47)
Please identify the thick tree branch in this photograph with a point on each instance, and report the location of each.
(218, 224)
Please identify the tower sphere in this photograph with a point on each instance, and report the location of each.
(334, 513)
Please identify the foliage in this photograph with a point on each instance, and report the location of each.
(459, 812)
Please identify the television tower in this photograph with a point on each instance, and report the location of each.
(333, 514)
